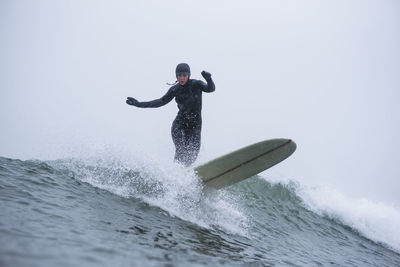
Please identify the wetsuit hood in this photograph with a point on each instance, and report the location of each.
(182, 68)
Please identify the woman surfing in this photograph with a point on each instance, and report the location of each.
(186, 128)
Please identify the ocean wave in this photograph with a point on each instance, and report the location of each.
(377, 221)
(262, 211)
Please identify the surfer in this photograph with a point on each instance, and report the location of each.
(186, 128)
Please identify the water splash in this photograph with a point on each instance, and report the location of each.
(169, 186)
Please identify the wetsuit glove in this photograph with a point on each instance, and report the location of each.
(206, 75)
(132, 101)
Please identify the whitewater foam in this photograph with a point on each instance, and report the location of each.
(376, 221)
(171, 187)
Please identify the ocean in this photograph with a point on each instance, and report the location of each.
(104, 211)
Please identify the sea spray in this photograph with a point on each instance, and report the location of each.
(170, 186)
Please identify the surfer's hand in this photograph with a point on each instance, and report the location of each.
(206, 75)
(132, 101)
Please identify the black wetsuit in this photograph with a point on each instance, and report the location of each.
(186, 128)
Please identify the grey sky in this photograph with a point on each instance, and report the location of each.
(324, 73)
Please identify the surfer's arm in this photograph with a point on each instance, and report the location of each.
(210, 86)
(153, 103)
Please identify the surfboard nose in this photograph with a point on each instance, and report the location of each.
(245, 162)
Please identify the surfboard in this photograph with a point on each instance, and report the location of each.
(245, 162)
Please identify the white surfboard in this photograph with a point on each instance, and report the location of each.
(245, 162)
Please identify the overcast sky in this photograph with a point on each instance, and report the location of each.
(324, 73)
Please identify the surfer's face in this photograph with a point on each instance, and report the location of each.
(182, 78)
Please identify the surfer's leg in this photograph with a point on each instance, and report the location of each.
(192, 144)
(178, 137)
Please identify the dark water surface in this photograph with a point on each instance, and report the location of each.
(82, 213)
